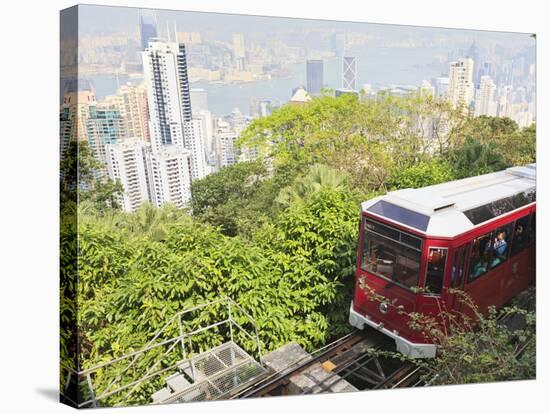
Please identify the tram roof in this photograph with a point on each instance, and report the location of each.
(452, 208)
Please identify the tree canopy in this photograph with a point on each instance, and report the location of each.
(278, 235)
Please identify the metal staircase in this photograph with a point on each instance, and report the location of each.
(213, 374)
(174, 365)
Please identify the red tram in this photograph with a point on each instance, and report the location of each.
(476, 234)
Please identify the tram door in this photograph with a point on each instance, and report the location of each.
(458, 271)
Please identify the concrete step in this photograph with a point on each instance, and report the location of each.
(198, 375)
(177, 382)
(161, 395)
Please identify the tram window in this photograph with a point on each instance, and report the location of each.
(521, 235)
(389, 258)
(459, 263)
(481, 253)
(437, 257)
(497, 208)
(500, 245)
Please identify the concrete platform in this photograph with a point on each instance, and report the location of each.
(314, 380)
(317, 380)
(284, 357)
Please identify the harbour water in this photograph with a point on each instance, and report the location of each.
(375, 66)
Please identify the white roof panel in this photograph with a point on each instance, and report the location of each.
(445, 203)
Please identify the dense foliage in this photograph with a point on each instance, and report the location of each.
(475, 346)
(277, 235)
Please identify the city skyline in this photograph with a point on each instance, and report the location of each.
(279, 48)
(165, 106)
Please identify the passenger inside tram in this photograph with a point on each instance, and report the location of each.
(500, 248)
(480, 256)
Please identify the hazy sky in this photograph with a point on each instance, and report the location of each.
(387, 57)
(96, 20)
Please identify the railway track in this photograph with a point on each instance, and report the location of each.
(278, 380)
(348, 359)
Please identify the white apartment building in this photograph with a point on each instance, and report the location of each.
(461, 85)
(165, 72)
(178, 154)
(485, 103)
(126, 161)
(169, 176)
(225, 144)
(207, 129)
(193, 141)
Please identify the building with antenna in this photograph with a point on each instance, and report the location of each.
(349, 73)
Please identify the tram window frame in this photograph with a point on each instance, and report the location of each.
(507, 229)
(524, 221)
(472, 261)
(427, 275)
(459, 266)
(406, 252)
(533, 228)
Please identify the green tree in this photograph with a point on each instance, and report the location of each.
(516, 146)
(476, 158)
(473, 346)
(82, 179)
(362, 138)
(319, 176)
(421, 174)
(220, 197)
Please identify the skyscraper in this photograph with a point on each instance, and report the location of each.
(314, 69)
(349, 73)
(485, 98)
(461, 85)
(126, 162)
(486, 69)
(147, 30)
(172, 125)
(238, 45)
(165, 71)
(473, 53)
(238, 51)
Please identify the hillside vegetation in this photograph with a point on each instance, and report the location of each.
(278, 235)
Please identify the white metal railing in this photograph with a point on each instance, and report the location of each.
(83, 379)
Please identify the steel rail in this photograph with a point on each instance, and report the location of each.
(275, 380)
